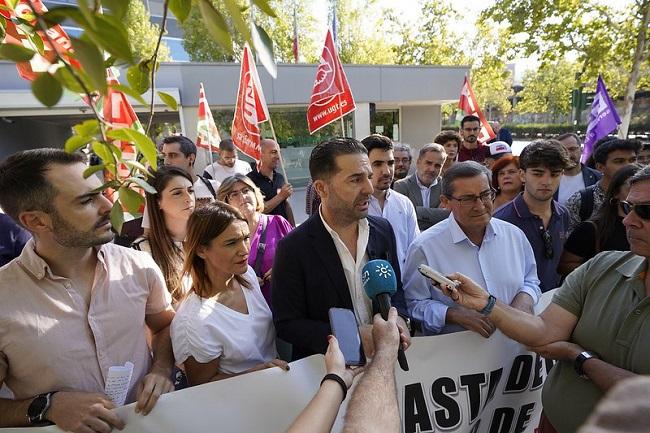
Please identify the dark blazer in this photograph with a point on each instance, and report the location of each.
(589, 176)
(308, 280)
(427, 216)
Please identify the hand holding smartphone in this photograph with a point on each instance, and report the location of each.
(345, 329)
(436, 276)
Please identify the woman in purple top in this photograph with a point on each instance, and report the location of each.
(266, 230)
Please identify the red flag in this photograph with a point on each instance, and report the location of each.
(208, 134)
(331, 97)
(250, 109)
(469, 105)
(14, 35)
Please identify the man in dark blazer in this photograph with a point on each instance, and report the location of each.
(424, 184)
(318, 265)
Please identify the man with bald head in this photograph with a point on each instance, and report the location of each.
(273, 185)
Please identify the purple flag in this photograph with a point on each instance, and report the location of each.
(603, 118)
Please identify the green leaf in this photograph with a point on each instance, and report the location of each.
(129, 91)
(238, 19)
(92, 62)
(131, 199)
(101, 150)
(12, 4)
(93, 169)
(47, 89)
(76, 141)
(111, 35)
(117, 8)
(143, 143)
(168, 100)
(264, 47)
(38, 43)
(87, 127)
(15, 53)
(67, 80)
(180, 8)
(87, 14)
(59, 14)
(139, 77)
(216, 25)
(3, 26)
(142, 184)
(265, 7)
(117, 217)
(137, 166)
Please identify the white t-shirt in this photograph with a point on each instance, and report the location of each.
(219, 172)
(201, 192)
(569, 185)
(207, 330)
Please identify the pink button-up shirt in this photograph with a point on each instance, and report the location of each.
(51, 341)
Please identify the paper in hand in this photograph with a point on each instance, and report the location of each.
(117, 383)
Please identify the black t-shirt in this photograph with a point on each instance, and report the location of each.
(582, 241)
(270, 188)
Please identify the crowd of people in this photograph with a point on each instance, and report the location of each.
(221, 282)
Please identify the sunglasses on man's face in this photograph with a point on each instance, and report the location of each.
(641, 209)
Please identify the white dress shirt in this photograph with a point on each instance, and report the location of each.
(400, 213)
(504, 265)
(426, 191)
(352, 269)
(220, 172)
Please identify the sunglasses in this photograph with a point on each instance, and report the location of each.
(641, 209)
(548, 244)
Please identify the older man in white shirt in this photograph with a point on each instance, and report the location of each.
(386, 203)
(492, 252)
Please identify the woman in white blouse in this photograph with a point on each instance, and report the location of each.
(223, 327)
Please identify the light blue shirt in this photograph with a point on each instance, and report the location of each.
(504, 265)
(400, 213)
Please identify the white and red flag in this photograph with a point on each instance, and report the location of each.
(14, 35)
(207, 133)
(469, 104)
(331, 97)
(250, 110)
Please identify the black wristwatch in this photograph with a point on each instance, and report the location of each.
(38, 407)
(580, 360)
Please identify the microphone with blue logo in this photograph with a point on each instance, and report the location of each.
(380, 283)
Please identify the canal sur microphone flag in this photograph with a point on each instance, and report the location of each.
(207, 133)
(331, 97)
(469, 104)
(250, 110)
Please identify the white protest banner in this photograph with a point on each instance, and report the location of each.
(458, 382)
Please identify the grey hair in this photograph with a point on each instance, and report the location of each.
(641, 175)
(461, 170)
(403, 147)
(432, 147)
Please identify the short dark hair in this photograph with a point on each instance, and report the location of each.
(547, 153)
(604, 149)
(469, 118)
(227, 145)
(641, 175)
(567, 135)
(377, 141)
(461, 170)
(187, 146)
(448, 135)
(23, 182)
(322, 161)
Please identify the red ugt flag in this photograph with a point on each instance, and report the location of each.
(208, 134)
(469, 105)
(331, 97)
(14, 35)
(250, 109)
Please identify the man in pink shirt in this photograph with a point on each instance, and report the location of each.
(73, 304)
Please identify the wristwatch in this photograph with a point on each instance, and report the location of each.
(39, 407)
(580, 360)
(407, 321)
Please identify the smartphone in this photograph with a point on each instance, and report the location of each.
(436, 276)
(345, 329)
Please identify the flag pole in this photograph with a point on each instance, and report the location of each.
(275, 138)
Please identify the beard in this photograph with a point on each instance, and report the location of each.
(67, 235)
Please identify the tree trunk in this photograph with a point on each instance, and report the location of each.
(640, 55)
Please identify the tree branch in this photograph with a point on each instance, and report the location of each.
(154, 60)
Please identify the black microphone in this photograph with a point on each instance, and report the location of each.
(380, 283)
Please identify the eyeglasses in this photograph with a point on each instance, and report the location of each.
(548, 243)
(242, 192)
(641, 209)
(486, 197)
